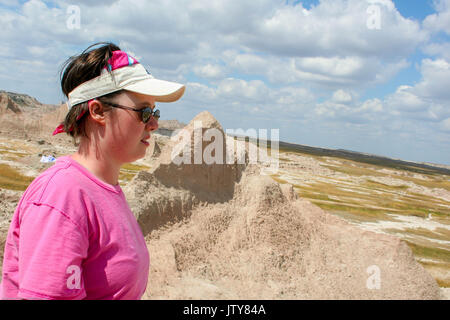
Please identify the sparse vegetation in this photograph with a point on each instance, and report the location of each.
(438, 270)
(444, 283)
(383, 187)
(358, 198)
(438, 234)
(277, 179)
(363, 212)
(134, 167)
(129, 170)
(429, 253)
(13, 180)
(355, 170)
(436, 182)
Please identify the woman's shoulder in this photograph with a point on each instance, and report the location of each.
(67, 179)
(62, 180)
(62, 188)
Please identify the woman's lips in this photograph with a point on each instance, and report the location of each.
(144, 141)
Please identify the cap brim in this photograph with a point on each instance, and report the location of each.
(163, 91)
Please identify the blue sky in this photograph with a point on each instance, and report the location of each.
(328, 73)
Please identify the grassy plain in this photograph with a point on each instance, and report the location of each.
(374, 193)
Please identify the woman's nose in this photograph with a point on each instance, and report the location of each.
(152, 124)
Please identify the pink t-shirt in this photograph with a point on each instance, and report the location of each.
(73, 236)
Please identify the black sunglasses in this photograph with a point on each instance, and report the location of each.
(146, 113)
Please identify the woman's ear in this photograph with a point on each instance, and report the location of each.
(96, 111)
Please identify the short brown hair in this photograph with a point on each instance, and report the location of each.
(77, 70)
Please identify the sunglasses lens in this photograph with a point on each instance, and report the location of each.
(147, 114)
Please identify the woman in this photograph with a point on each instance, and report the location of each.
(73, 235)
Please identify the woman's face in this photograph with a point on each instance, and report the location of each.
(126, 136)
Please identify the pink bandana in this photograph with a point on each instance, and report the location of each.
(120, 59)
(60, 128)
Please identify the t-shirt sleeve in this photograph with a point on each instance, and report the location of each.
(52, 247)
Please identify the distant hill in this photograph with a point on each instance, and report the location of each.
(418, 167)
(20, 99)
(24, 116)
(8, 105)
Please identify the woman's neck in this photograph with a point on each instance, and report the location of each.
(97, 162)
